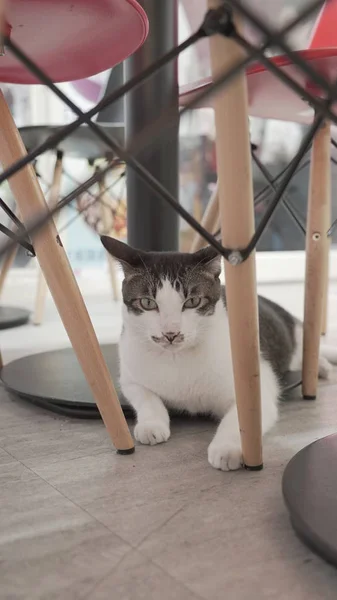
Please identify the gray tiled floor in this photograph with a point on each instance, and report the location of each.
(78, 521)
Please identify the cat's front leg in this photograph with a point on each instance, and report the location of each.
(224, 451)
(153, 421)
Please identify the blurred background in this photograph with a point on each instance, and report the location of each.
(277, 142)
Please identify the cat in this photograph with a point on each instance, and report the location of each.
(175, 348)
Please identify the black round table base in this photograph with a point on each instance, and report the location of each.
(310, 493)
(54, 380)
(10, 316)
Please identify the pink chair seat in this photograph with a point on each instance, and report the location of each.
(71, 39)
(270, 98)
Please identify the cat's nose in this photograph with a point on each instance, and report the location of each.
(171, 336)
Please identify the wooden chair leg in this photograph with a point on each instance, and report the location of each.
(42, 288)
(114, 278)
(197, 207)
(106, 220)
(237, 226)
(209, 221)
(317, 246)
(8, 261)
(326, 271)
(62, 284)
(6, 265)
(324, 327)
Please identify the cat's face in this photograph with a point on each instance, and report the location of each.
(168, 296)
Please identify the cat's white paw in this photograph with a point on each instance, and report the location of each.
(152, 432)
(224, 456)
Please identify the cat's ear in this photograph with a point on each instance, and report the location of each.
(210, 259)
(129, 257)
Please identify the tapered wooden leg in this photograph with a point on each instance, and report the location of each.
(209, 221)
(42, 288)
(107, 224)
(62, 283)
(237, 227)
(326, 270)
(325, 301)
(8, 261)
(6, 265)
(317, 246)
(197, 207)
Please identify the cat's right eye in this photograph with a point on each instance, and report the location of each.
(148, 304)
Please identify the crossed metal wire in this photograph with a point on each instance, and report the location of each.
(95, 198)
(272, 185)
(108, 189)
(216, 21)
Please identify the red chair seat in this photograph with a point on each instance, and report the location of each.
(71, 39)
(270, 98)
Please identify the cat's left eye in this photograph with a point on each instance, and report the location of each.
(192, 302)
(148, 304)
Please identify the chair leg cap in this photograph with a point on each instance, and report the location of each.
(127, 451)
(256, 468)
